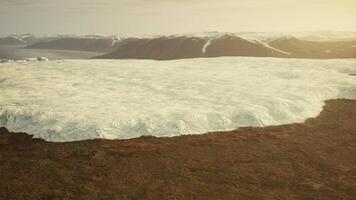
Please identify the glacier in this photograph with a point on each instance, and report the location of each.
(71, 100)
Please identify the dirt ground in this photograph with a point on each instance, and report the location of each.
(311, 160)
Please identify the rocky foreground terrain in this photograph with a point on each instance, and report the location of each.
(311, 160)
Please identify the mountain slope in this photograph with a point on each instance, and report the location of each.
(178, 47)
(315, 49)
(76, 43)
(10, 41)
(162, 48)
(231, 45)
(196, 45)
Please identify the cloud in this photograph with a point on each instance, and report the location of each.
(146, 16)
(23, 2)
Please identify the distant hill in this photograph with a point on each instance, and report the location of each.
(228, 44)
(178, 47)
(10, 41)
(76, 43)
(315, 49)
(24, 39)
(322, 45)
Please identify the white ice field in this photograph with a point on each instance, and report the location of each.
(70, 100)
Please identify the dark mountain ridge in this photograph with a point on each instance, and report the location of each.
(212, 44)
(76, 44)
(316, 49)
(179, 47)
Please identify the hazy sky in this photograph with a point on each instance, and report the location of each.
(173, 16)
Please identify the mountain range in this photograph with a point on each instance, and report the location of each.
(212, 44)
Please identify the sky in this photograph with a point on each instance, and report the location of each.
(148, 17)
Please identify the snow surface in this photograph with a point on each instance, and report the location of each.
(70, 100)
